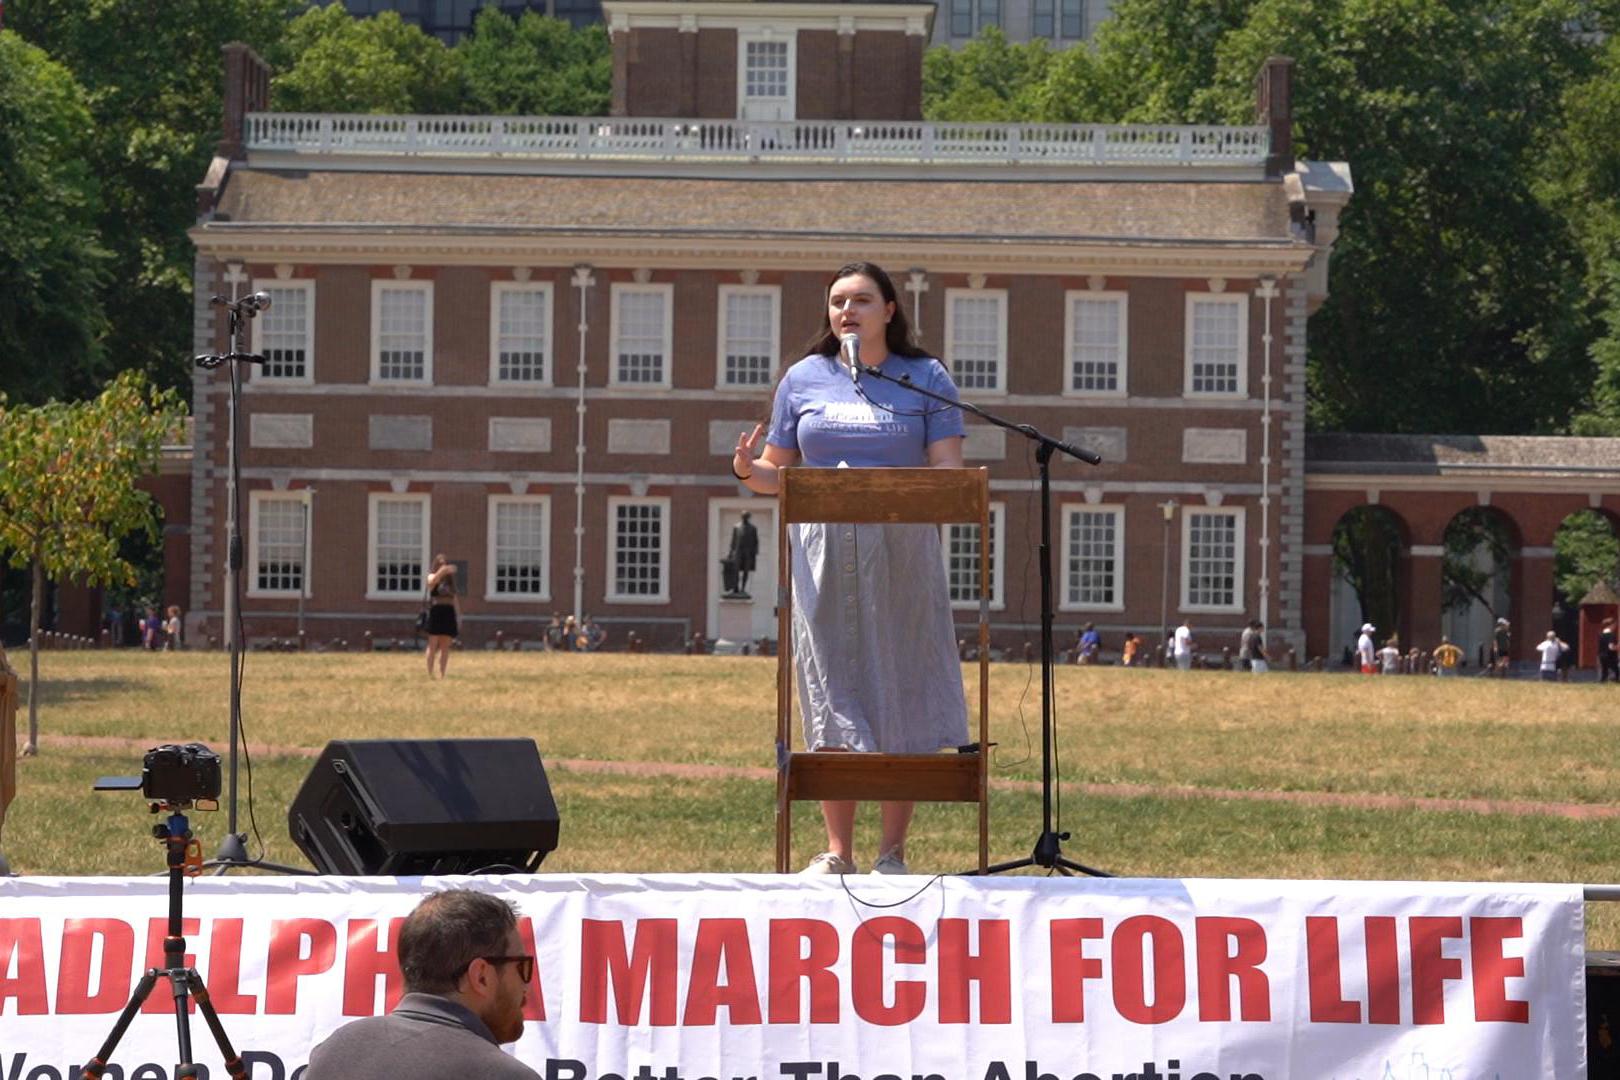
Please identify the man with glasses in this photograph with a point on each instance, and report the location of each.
(466, 982)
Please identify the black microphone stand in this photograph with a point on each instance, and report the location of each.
(233, 849)
(1048, 851)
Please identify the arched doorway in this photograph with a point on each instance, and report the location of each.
(1476, 571)
(1367, 545)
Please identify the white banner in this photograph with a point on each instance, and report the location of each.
(756, 977)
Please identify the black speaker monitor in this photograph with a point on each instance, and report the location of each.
(404, 807)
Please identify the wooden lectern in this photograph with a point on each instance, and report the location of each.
(879, 496)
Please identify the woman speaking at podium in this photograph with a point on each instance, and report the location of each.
(874, 644)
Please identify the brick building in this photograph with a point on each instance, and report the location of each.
(531, 343)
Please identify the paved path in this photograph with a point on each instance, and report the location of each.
(692, 771)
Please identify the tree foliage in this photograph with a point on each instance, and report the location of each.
(989, 79)
(1474, 281)
(330, 61)
(51, 260)
(1366, 552)
(68, 494)
(536, 66)
(151, 75)
(1478, 549)
(1585, 552)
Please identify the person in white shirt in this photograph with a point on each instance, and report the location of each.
(1390, 656)
(1365, 650)
(1550, 649)
(1183, 646)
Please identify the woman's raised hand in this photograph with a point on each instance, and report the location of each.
(742, 461)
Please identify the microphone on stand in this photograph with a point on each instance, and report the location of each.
(849, 348)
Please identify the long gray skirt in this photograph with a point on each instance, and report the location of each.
(874, 646)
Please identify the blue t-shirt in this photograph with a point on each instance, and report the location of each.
(819, 413)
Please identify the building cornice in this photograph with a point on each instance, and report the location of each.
(620, 15)
(1531, 480)
(344, 245)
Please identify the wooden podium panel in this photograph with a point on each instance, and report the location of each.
(879, 496)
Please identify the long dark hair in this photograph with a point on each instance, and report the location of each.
(897, 335)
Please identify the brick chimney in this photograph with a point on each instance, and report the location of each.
(247, 89)
(1274, 107)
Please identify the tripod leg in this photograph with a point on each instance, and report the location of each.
(233, 1061)
(185, 1069)
(143, 989)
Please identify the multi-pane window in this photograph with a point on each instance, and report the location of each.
(1058, 20)
(1217, 352)
(961, 541)
(748, 334)
(519, 531)
(1212, 563)
(765, 70)
(968, 17)
(520, 329)
(641, 335)
(1096, 343)
(402, 332)
(1093, 542)
(638, 555)
(976, 337)
(279, 549)
(398, 544)
(285, 334)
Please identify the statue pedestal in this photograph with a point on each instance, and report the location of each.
(736, 620)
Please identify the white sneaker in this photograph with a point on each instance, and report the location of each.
(828, 863)
(890, 863)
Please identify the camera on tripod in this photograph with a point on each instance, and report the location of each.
(173, 775)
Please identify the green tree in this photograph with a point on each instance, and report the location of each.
(1583, 175)
(1478, 549)
(330, 61)
(1585, 551)
(68, 494)
(51, 261)
(1366, 553)
(535, 66)
(989, 79)
(151, 72)
(1455, 303)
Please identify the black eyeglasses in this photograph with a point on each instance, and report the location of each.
(525, 964)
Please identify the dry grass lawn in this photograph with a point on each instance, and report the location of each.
(1192, 741)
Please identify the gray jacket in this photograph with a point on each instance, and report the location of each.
(426, 1037)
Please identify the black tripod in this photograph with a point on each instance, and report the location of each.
(183, 853)
(1048, 851)
(233, 849)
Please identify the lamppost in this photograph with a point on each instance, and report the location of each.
(303, 569)
(1168, 508)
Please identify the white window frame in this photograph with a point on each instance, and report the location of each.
(618, 290)
(378, 285)
(1240, 583)
(726, 292)
(998, 558)
(609, 574)
(1122, 301)
(255, 500)
(544, 595)
(1239, 301)
(998, 295)
(259, 373)
(497, 290)
(1118, 512)
(375, 499)
(789, 104)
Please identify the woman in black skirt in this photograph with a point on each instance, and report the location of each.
(443, 612)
